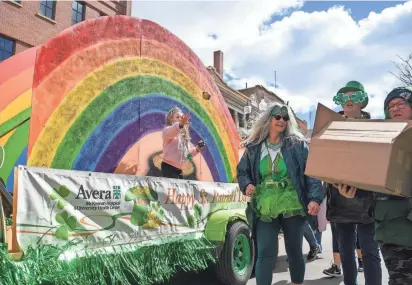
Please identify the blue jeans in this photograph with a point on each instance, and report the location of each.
(318, 236)
(267, 248)
(370, 253)
(314, 238)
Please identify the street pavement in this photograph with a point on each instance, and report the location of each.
(313, 276)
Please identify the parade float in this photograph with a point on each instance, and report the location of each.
(83, 162)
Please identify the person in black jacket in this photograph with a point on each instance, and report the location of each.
(352, 214)
(393, 214)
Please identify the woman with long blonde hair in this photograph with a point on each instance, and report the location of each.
(271, 171)
(177, 150)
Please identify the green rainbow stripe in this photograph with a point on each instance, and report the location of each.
(114, 96)
(13, 148)
(15, 121)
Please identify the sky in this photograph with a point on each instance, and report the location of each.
(315, 47)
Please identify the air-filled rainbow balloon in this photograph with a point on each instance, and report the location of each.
(100, 94)
(16, 79)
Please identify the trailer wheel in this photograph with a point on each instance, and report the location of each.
(236, 260)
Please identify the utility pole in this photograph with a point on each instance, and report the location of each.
(310, 118)
(276, 85)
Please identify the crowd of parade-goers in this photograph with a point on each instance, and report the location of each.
(283, 198)
(271, 171)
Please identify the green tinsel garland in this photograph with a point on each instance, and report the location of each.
(121, 265)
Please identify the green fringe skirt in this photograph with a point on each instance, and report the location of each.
(126, 264)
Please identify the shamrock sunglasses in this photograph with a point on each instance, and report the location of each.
(357, 97)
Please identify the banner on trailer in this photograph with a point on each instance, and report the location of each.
(100, 209)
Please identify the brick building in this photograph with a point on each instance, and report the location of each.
(24, 24)
(235, 100)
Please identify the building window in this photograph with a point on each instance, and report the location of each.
(7, 48)
(48, 8)
(241, 121)
(78, 9)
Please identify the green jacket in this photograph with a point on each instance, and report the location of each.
(393, 216)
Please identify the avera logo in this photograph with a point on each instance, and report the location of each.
(116, 192)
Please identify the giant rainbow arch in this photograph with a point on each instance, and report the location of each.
(16, 79)
(100, 93)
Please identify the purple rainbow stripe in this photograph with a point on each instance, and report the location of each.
(132, 133)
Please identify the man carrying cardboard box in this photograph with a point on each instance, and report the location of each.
(393, 214)
(351, 215)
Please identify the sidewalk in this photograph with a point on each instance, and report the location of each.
(314, 269)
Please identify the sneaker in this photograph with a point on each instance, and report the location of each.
(333, 271)
(313, 253)
(360, 265)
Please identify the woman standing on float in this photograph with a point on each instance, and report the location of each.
(271, 171)
(177, 150)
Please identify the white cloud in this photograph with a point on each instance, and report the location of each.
(314, 54)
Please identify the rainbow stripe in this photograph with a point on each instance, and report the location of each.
(16, 79)
(104, 84)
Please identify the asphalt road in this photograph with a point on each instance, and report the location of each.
(313, 276)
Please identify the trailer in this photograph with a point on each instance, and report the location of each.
(81, 140)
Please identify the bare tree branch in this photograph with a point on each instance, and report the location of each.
(404, 68)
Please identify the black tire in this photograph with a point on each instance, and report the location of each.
(225, 266)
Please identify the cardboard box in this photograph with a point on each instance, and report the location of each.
(374, 155)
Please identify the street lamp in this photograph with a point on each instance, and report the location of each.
(261, 107)
(247, 110)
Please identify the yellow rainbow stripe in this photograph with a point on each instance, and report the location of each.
(5, 138)
(94, 84)
(16, 106)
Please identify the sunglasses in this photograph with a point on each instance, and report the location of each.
(356, 98)
(280, 113)
(278, 117)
